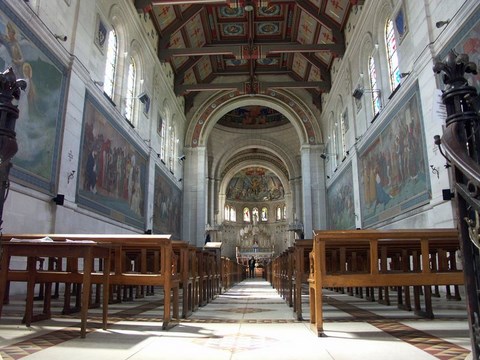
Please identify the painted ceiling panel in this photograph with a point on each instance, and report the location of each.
(206, 39)
(307, 27)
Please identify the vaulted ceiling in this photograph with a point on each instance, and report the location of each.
(249, 42)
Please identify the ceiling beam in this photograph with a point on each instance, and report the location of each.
(321, 86)
(182, 89)
(237, 50)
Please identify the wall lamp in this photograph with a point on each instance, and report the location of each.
(442, 23)
(181, 158)
(59, 199)
(359, 91)
(60, 37)
(325, 155)
(404, 75)
(98, 83)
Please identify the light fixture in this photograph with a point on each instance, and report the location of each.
(248, 6)
(59, 199)
(404, 75)
(98, 83)
(325, 155)
(442, 23)
(181, 158)
(60, 37)
(359, 91)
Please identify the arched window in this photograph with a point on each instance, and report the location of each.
(131, 91)
(171, 149)
(255, 214)
(372, 77)
(111, 65)
(246, 214)
(343, 132)
(278, 213)
(163, 137)
(392, 56)
(264, 214)
(284, 212)
(233, 214)
(226, 212)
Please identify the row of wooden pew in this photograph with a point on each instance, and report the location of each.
(361, 261)
(117, 264)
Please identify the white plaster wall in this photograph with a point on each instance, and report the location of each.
(31, 210)
(416, 55)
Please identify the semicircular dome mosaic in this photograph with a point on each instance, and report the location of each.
(253, 117)
(255, 184)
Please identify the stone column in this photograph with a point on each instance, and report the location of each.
(195, 196)
(313, 188)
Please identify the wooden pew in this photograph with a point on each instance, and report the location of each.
(73, 251)
(302, 249)
(161, 271)
(377, 247)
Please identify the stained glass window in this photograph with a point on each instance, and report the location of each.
(233, 214)
(279, 213)
(111, 65)
(372, 76)
(392, 56)
(131, 81)
(163, 138)
(246, 214)
(264, 214)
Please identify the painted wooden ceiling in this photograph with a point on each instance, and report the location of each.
(249, 42)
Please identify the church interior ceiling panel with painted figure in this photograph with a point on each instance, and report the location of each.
(255, 184)
(253, 117)
(393, 167)
(112, 169)
(341, 209)
(38, 128)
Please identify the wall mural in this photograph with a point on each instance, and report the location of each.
(253, 117)
(255, 184)
(41, 105)
(112, 170)
(341, 209)
(166, 206)
(393, 168)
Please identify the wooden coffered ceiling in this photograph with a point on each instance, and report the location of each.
(249, 42)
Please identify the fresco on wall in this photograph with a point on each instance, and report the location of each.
(112, 170)
(41, 105)
(253, 117)
(255, 184)
(467, 41)
(166, 206)
(392, 167)
(341, 209)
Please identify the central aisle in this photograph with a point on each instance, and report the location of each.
(249, 321)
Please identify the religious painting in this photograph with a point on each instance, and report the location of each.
(393, 167)
(340, 203)
(112, 169)
(167, 203)
(253, 117)
(41, 105)
(255, 184)
(467, 41)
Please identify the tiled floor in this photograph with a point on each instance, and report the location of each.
(249, 321)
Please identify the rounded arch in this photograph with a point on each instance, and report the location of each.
(296, 111)
(291, 167)
(243, 165)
